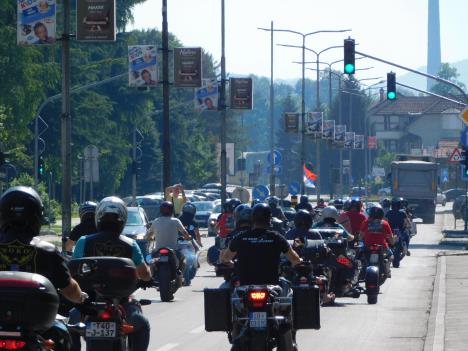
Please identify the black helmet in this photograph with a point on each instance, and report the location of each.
(189, 208)
(304, 199)
(21, 208)
(347, 205)
(376, 212)
(396, 203)
(287, 203)
(231, 205)
(261, 214)
(87, 208)
(243, 214)
(385, 203)
(111, 215)
(356, 203)
(166, 209)
(256, 201)
(338, 203)
(404, 203)
(273, 201)
(303, 219)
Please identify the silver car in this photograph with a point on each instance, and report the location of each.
(136, 227)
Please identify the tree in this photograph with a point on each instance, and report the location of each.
(449, 73)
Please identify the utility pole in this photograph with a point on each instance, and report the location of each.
(66, 126)
(272, 121)
(222, 108)
(166, 126)
(317, 140)
(136, 158)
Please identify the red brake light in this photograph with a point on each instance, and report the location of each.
(344, 261)
(12, 344)
(105, 315)
(303, 280)
(164, 251)
(16, 283)
(258, 298)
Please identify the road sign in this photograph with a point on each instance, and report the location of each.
(294, 188)
(260, 192)
(464, 137)
(464, 116)
(241, 194)
(277, 157)
(455, 156)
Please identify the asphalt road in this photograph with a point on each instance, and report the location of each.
(398, 322)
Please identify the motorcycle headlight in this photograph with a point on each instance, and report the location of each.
(140, 237)
(212, 222)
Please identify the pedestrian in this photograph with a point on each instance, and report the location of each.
(176, 195)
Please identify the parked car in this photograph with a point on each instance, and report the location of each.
(150, 203)
(137, 226)
(212, 186)
(204, 210)
(213, 219)
(452, 194)
(441, 199)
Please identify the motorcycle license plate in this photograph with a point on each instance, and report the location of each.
(258, 320)
(101, 330)
(374, 258)
(163, 259)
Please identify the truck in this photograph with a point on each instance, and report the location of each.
(416, 181)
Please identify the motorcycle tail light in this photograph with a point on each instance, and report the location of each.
(164, 251)
(374, 247)
(48, 344)
(344, 261)
(12, 344)
(127, 329)
(303, 280)
(258, 298)
(106, 315)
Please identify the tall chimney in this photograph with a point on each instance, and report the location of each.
(433, 41)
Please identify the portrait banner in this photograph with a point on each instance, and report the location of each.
(206, 97)
(36, 22)
(142, 66)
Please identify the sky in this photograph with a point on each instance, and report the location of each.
(395, 30)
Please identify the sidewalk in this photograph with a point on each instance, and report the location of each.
(449, 224)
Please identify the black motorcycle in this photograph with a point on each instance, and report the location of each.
(376, 272)
(28, 308)
(400, 248)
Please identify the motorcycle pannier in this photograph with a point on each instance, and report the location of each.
(315, 251)
(28, 300)
(112, 277)
(306, 307)
(217, 310)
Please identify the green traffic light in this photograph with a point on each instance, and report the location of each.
(391, 95)
(349, 68)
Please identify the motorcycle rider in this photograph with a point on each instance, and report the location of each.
(385, 203)
(111, 216)
(189, 251)
(302, 225)
(21, 216)
(226, 222)
(188, 220)
(320, 204)
(329, 220)
(86, 226)
(356, 217)
(397, 218)
(304, 204)
(338, 204)
(276, 211)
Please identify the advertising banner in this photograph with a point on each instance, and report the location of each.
(188, 67)
(291, 122)
(241, 93)
(340, 130)
(95, 20)
(314, 124)
(328, 129)
(36, 22)
(142, 66)
(349, 140)
(372, 142)
(206, 97)
(359, 142)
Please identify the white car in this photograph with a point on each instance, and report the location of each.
(441, 199)
(213, 219)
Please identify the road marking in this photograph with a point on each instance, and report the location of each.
(167, 347)
(198, 330)
(439, 333)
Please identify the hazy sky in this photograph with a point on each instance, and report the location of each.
(393, 29)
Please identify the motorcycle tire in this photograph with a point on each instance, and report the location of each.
(286, 341)
(397, 257)
(372, 299)
(258, 342)
(165, 292)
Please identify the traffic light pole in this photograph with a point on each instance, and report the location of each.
(431, 93)
(222, 108)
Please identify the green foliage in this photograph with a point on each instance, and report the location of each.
(449, 73)
(384, 159)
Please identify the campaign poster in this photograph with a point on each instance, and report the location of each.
(142, 66)
(291, 122)
(241, 93)
(372, 142)
(36, 22)
(349, 140)
(359, 142)
(188, 67)
(206, 97)
(95, 20)
(340, 130)
(328, 129)
(314, 123)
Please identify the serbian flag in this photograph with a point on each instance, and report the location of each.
(309, 177)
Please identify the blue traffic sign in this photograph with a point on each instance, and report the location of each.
(277, 157)
(294, 188)
(260, 192)
(464, 137)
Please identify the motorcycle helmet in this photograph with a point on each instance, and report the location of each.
(356, 203)
(404, 203)
(261, 214)
(303, 219)
(189, 208)
(330, 212)
(338, 203)
(304, 199)
(256, 201)
(347, 205)
(21, 208)
(243, 214)
(287, 203)
(87, 208)
(111, 215)
(273, 201)
(396, 203)
(166, 209)
(385, 203)
(376, 213)
(231, 205)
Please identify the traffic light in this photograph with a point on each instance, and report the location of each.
(391, 86)
(464, 162)
(349, 56)
(40, 168)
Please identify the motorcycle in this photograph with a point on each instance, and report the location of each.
(110, 281)
(376, 272)
(191, 252)
(400, 247)
(28, 309)
(167, 271)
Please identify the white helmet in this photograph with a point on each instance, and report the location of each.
(111, 205)
(330, 212)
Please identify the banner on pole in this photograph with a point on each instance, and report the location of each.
(206, 97)
(349, 140)
(359, 142)
(372, 142)
(142, 66)
(314, 121)
(291, 122)
(36, 22)
(340, 131)
(95, 20)
(328, 129)
(241, 93)
(188, 67)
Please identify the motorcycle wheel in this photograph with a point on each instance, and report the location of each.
(286, 342)
(397, 257)
(372, 299)
(164, 273)
(258, 342)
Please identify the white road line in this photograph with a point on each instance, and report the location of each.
(198, 330)
(167, 347)
(439, 333)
